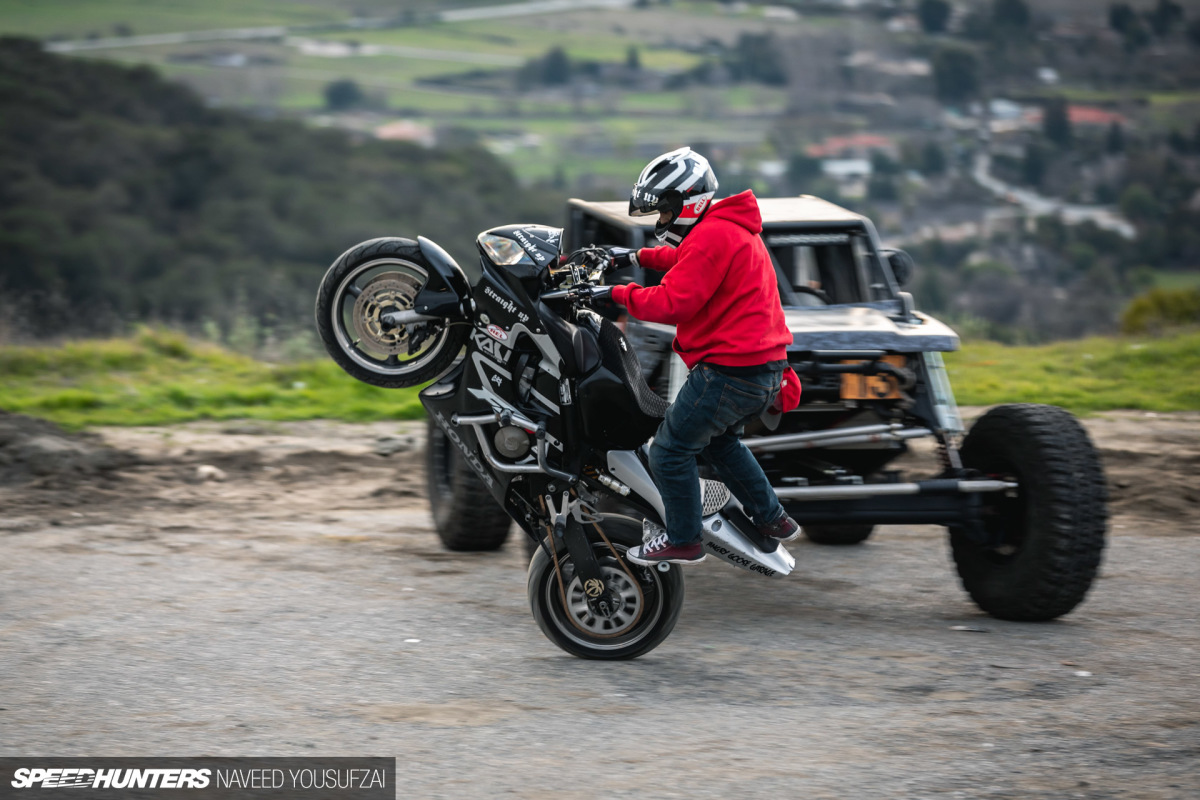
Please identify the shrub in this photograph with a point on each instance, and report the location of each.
(1159, 309)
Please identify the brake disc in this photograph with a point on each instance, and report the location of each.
(387, 293)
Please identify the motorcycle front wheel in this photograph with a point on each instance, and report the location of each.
(366, 283)
(648, 601)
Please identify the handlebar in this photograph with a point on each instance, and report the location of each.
(583, 291)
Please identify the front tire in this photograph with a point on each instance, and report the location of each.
(651, 599)
(1047, 538)
(365, 283)
(466, 516)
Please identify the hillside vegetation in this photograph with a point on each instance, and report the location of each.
(161, 377)
(126, 198)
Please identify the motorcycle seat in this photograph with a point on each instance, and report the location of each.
(620, 358)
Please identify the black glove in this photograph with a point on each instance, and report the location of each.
(587, 294)
(621, 258)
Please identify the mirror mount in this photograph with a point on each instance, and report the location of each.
(901, 264)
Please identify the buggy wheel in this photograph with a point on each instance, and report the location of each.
(465, 514)
(838, 534)
(1043, 541)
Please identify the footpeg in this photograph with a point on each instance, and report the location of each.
(651, 530)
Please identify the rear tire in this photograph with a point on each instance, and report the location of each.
(646, 625)
(838, 534)
(1047, 537)
(366, 281)
(465, 514)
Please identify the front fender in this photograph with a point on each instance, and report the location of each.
(447, 294)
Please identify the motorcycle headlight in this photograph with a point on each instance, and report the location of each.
(503, 252)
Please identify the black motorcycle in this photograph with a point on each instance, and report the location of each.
(544, 398)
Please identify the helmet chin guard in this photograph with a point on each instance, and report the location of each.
(680, 183)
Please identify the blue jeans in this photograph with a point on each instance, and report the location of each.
(706, 419)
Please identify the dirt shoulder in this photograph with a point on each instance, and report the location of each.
(1151, 461)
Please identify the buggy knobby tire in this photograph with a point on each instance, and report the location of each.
(465, 514)
(386, 274)
(642, 628)
(838, 534)
(1046, 538)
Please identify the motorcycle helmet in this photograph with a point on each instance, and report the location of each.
(680, 183)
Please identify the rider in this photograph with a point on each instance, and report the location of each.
(720, 292)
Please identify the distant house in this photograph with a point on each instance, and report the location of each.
(1084, 115)
(850, 174)
(854, 146)
(407, 131)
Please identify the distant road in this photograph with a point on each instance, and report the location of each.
(151, 40)
(1040, 206)
(275, 32)
(526, 9)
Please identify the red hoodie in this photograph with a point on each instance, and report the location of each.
(719, 290)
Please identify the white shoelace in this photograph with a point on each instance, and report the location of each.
(657, 543)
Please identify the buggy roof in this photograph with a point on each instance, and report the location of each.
(805, 209)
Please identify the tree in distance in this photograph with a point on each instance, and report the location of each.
(955, 75)
(1011, 16)
(1056, 122)
(344, 95)
(933, 14)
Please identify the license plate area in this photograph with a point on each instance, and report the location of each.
(871, 387)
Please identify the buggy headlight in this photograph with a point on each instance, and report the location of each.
(503, 252)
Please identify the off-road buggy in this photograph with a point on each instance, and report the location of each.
(1022, 494)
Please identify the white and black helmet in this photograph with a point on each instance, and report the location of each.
(679, 182)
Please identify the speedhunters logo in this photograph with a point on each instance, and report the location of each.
(74, 778)
(316, 778)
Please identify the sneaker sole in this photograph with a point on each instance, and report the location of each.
(650, 562)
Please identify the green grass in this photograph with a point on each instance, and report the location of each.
(159, 377)
(1164, 279)
(1084, 376)
(1174, 98)
(81, 18)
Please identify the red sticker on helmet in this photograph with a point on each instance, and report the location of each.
(496, 332)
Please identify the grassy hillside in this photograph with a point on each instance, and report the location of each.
(159, 377)
(1086, 375)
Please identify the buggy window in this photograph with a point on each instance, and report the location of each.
(841, 265)
(824, 262)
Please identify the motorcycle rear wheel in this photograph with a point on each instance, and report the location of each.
(367, 281)
(650, 607)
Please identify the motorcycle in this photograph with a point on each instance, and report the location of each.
(544, 398)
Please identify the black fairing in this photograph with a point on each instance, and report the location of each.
(620, 412)
(579, 347)
(540, 242)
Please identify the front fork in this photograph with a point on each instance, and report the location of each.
(567, 532)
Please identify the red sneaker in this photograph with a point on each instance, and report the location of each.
(659, 549)
(784, 529)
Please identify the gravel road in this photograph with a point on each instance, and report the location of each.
(292, 599)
